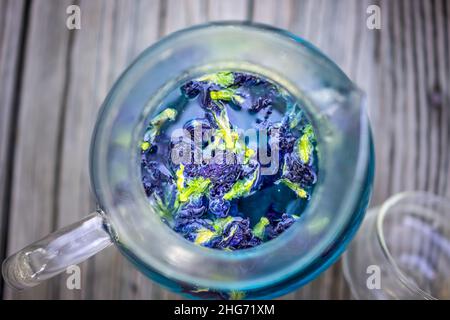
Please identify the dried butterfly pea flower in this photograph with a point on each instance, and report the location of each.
(195, 208)
(189, 226)
(241, 187)
(153, 178)
(207, 190)
(280, 226)
(221, 172)
(225, 132)
(194, 188)
(297, 172)
(245, 79)
(191, 89)
(249, 167)
(284, 138)
(219, 207)
(204, 236)
(237, 234)
(260, 103)
(219, 190)
(200, 130)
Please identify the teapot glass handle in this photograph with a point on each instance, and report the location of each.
(57, 251)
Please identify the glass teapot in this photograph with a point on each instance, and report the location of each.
(125, 217)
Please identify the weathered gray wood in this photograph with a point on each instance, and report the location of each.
(11, 30)
(404, 68)
(276, 13)
(86, 86)
(181, 14)
(36, 152)
(228, 10)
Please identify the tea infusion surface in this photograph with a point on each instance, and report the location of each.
(229, 162)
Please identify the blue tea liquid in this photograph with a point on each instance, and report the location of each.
(229, 160)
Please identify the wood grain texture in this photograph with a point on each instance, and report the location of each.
(36, 152)
(11, 36)
(404, 68)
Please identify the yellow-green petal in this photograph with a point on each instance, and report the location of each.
(225, 132)
(163, 208)
(193, 188)
(260, 227)
(180, 178)
(225, 94)
(248, 154)
(305, 146)
(299, 191)
(241, 187)
(204, 235)
(163, 116)
(155, 125)
(223, 78)
(145, 145)
(237, 295)
(220, 223)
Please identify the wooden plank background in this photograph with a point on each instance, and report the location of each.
(53, 80)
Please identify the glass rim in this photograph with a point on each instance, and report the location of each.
(380, 219)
